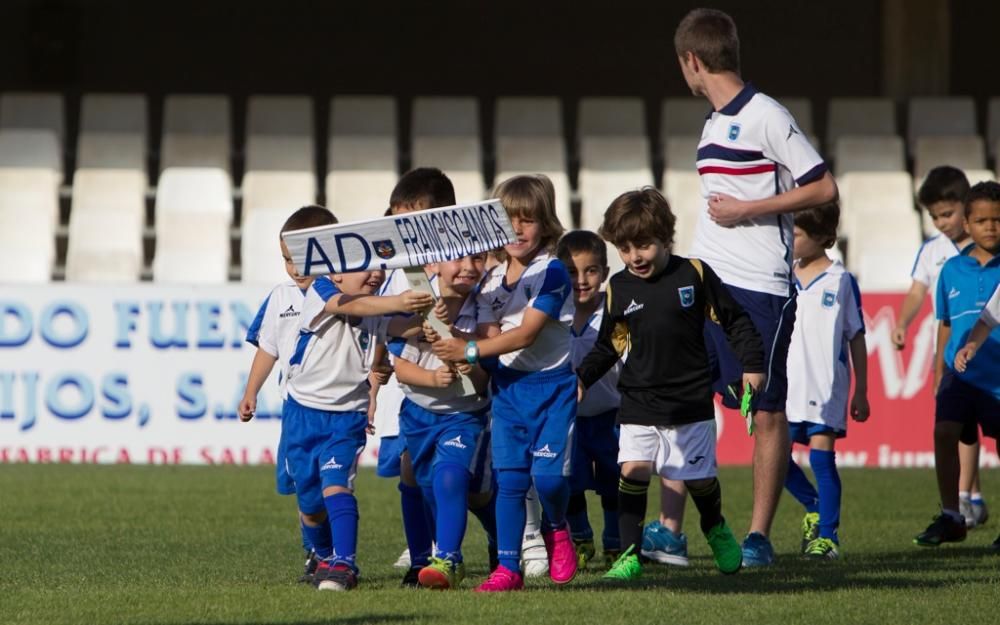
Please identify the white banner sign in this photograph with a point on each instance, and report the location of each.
(140, 374)
(405, 240)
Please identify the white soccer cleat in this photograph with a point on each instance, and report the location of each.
(534, 558)
(403, 562)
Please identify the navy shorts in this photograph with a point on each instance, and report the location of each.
(322, 448)
(390, 448)
(432, 438)
(961, 402)
(773, 316)
(801, 431)
(595, 455)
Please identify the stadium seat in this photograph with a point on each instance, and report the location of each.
(445, 134)
(30, 148)
(993, 128)
(963, 152)
(34, 111)
(279, 134)
(194, 210)
(868, 153)
(259, 247)
(112, 132)
(871, 203)
(29, 206)
(196, 132)
(681, 153)
(860, 117)
(936, 117)
(279, 190)
(683, 191)
(801, 111)
(683, 117)
(363, 157)
(614, 154)
(866, 193)
(881, 252)
(105, 226)
(529, 139)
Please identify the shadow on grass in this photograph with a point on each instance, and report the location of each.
(914, 569)
(360, 619)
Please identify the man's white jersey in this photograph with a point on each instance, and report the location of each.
(991, 312)
(932, 255)
(439, 400)
(275, 329)
(333, 357)
(752, 149)
(545, 286)
(827, 317)
(603, 396)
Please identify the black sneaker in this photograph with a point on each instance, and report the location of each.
(412, 577)
(944, 529)
(312, 561)
(334, 577)
(494, 557)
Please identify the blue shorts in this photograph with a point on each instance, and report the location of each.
(802, 430)
(595, 455)
(964, 403)
(283, 481)
(322, 448)
(534, 415)
(773, 316)
(432, 437)
(390, 448)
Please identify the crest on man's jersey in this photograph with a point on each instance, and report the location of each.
(829, 299)
(687, 296)
(384, 249)
(734, 131)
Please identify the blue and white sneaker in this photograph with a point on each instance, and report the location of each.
(757, 550)
(661, 545)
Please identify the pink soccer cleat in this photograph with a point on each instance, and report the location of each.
(502, 580)
(562, 555)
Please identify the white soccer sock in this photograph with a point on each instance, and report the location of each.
(963, 495)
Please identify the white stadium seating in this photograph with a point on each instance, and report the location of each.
(962, 151)
(363, 157)
(35, 149)
(105, 226)
(260, 247)
(29, 206)
(277, 190)
(853, 153)
(683, 117)
(113, 131)
(683, 191)
(34, 111)
(860, 117)
(943, 116)
(279, 134)
(196, 132)
(445, 134)
(993, 128)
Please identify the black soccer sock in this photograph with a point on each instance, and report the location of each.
(631, 511)
(708, 500)
(577, 504)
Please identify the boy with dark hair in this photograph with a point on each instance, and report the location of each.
(752, 149)
(655, 310)
(971, 396)
(595, 441)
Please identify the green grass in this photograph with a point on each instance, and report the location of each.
(155, 545)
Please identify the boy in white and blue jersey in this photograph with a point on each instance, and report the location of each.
(274, 332)
(971, 396)
(325, 416)
(756, 169)
(444, 425)
(595, 453)
(829, 338)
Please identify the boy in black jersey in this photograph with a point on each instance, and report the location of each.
(655, 316)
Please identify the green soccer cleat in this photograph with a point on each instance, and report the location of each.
(626, 568)
(442, 574)
(822, 549)
(585, 551)
(810, 529)
(725, 549)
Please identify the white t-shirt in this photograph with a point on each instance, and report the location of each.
(752, 149)
(439, 400)
(603, 396)
(333, 357)
(991, 312)
(275, 329)
(931, 256)
(827, 317)
(545, 286)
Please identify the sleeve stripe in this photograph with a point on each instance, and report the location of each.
(812, 175)
(325, 288)
(253, 332)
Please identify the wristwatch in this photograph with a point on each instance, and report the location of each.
(471, 352)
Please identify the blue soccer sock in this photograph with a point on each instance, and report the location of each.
(800, 487)
(451, 499)
(416, 526)
(553, 494)
(318, 538)
(828, 480)
(487, 516)
(610, 538)
(576, 514)
(512, 485)
(342, 508)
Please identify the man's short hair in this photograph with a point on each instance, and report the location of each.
(820, 223)
(711, 35)
(423, 183)
(309, 217)
(581, 241)
(943, 184)
(987, 191)
(639, 217)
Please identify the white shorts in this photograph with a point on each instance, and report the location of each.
(683, 452)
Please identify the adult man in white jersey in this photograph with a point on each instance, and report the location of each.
(756, 168)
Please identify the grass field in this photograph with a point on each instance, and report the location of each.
(129, 544)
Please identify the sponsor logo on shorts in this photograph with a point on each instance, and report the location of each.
(633, 307)
(289, 312)
(331, 465)
(455, 442)
(696, 459)
(544, 452)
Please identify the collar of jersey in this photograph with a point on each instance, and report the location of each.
(503, 276)
(736, 104)
(967, 258)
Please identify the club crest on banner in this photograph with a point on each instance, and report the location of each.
(384, 249)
